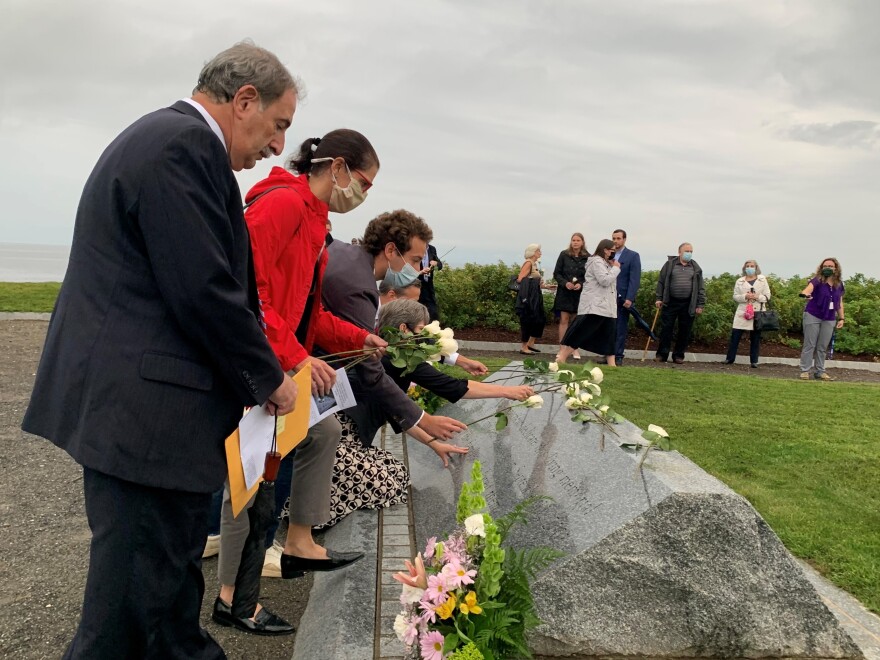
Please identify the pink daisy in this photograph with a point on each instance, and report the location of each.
(432, 646)
(456, 575)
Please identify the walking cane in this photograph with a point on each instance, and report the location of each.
(648, 343)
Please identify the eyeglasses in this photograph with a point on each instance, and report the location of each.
(366, 184)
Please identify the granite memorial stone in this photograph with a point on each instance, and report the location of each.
(666, 562)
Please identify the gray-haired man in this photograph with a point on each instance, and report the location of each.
(155, 346)
(681, 294)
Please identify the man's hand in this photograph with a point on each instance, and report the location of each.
(569, 286)
(444, 449)
(323, 375)
(375, 341)
(282, 400)
(658, 304)
(699, 310)
(440, 427)
(518, 392)
(627, 304)
(473, 367)
(425, 271)
(432, 264)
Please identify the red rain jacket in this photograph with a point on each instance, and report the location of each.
(288, 227)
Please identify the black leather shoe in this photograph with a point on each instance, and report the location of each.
(678, 360)
(265, 622)
(293, 566)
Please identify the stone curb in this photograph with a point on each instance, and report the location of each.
(549, 350)
(24, 316)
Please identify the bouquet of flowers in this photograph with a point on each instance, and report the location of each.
(468, 598)
(407, 350)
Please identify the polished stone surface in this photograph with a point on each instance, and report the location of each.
(660, 562)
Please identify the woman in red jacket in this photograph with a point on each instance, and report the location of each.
(287, 216)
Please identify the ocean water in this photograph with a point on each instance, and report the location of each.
(21, 262)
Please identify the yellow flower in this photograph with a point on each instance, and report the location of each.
(469, 606)
(446, 609)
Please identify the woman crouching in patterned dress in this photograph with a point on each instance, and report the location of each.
(370, 477)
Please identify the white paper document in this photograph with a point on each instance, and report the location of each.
(340, 398)
(255, 439)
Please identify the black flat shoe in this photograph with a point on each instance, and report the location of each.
(754, 365)
(293, 566)
(265, 622)
(728, 362)
(534, 350)
(526, 353)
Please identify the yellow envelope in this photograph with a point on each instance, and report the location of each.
(292, 428)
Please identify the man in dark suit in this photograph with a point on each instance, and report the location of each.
(155, 346)
(428, 296)
(628, 281)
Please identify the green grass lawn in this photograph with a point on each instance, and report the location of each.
(28, 296)
(805, 454)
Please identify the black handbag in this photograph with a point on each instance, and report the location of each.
(513, 285)
(766, 320)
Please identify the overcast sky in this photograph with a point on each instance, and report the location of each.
(747, 128)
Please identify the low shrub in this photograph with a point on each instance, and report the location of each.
(477, 296)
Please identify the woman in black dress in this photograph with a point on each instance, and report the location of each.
(530, 301)
(569, 276)
(594, 328)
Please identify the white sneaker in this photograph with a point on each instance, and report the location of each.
(575, 356)
(272, 564)
(212, 546)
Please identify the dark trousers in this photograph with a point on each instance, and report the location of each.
(144, 588)
(622, 331)
(677, 310)
(754, 345)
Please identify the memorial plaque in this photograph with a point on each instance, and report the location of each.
(662, 562)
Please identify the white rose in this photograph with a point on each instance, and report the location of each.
(534, 401)
(475, 525)
(447, 333)
(447, 346)
(432, 328)
(563, 372)
(410, 595)
(603, 409)
(659, 430)
(572, 389)
(595, 389)
(400, 626)
(597, 375)
(573, 403)
(553, 367)
(586, 397)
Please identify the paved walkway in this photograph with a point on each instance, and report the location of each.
(549, 350)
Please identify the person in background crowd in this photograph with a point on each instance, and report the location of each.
(594, 329)
(750, 289)
(628, 282)
(154, 348)
(681, 294)
(569, 276)
(823, 313)
(530, 301)
(427, 296)
(287, 218)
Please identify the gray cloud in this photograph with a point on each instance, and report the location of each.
(501, 123)
(845, 134)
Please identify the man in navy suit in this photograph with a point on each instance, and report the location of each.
(155, 346)
(628, 281)
(427, 296)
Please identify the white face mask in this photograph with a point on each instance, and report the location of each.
(343, 200)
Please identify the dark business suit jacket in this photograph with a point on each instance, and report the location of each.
(154, 345)
(630, 276)
(349, 292)
(428, 296)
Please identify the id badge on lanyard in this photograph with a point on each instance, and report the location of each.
(831, 301)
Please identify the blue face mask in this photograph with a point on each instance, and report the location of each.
(398, 279)
(687, 256)
(750, 271)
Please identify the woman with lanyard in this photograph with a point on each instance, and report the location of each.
(823, 313)
(287, 218)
